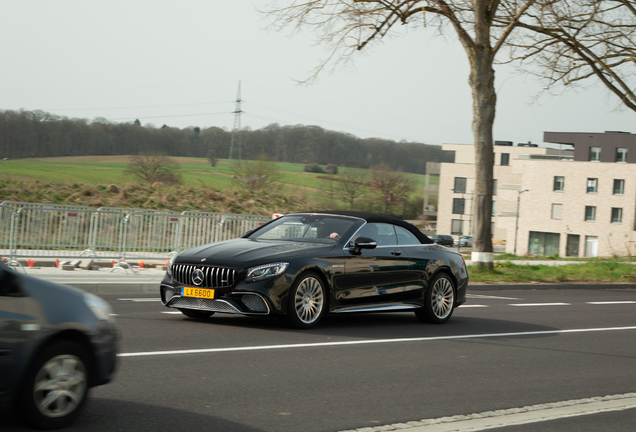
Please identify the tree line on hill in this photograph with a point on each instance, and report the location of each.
(25, 134)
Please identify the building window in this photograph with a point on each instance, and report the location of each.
(595, 154)
(621, 154)
(505, 159)
(557, 211)
(458, 205)
(460, 185)
(590, 213)
(619, 187)
(617, 215)
(572, 246)
(592, 185)
(494, 207)
(559, 183)
(543, 243)
(494, 187)
(457, 227)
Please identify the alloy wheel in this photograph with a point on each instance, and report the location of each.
(309, 300)
(442, 298)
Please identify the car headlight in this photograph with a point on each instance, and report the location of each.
(100, 308)
(265, 271)
(174, 257)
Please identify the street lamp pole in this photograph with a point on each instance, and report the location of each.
(519, 192)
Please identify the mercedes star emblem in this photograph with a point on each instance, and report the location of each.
(197, 277)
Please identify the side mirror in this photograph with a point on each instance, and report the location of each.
(363, 243)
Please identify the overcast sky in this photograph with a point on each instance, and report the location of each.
(179, 63)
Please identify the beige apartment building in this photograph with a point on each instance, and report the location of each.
(579, 200)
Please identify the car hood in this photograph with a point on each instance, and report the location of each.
(242, 252)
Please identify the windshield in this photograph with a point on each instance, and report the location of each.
(315, 228)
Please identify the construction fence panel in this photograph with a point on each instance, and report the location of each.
(7, 216)
(231, 229)
(65, 233)
(105, 235)
(236, 226)
(198, 229)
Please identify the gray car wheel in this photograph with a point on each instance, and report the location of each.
(439, 301)
(56, 386)
(307, 301)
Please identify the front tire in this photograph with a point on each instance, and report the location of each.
(198, 314)
(56, 386)
(439, 301)
(307, 302)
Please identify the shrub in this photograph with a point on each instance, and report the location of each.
(331, 169)
(314, 168)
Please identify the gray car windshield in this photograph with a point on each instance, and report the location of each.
(314, 228)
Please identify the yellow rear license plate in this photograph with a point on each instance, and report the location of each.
(197, 292)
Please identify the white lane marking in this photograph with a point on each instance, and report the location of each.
(611, 302)
(472, 306)
(372, 341)
(140, 299)
(491, 297)
(172, 313)
(517, 416)
(540, 304)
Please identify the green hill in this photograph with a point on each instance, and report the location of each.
(91, 180)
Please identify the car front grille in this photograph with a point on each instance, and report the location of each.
(213, 277)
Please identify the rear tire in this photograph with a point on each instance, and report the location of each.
(56, 386)
(199, 314)
(439, 301)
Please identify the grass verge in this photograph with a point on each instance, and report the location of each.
(591, 271)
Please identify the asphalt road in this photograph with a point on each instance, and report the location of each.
(503, 350)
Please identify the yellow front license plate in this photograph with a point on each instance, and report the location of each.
(197, 292)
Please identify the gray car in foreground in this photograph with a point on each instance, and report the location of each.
(56, 342)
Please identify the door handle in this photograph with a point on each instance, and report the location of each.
(396, 252)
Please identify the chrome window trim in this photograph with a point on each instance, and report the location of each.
(347, 246)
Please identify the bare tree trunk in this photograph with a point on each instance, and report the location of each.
(482, 83)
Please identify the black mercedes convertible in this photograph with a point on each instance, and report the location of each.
(305, 265)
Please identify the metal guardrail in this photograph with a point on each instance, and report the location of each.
(73, 232)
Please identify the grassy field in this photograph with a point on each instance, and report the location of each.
(196, 172)
(90, 180)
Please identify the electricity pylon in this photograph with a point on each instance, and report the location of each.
(237, 125)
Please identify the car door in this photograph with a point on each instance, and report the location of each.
(419, 261)
(10, 307)
(373, 275)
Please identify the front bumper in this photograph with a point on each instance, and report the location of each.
(234, 302)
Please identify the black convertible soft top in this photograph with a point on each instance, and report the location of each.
(379, 218)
